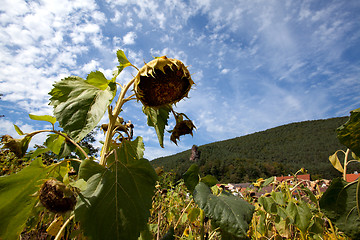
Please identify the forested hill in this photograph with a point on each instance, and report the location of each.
(277, 151)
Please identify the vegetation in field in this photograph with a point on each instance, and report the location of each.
(64, 190)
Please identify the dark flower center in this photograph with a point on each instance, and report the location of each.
(165, 88)
(54, 199)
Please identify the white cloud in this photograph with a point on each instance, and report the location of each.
(13, 8)
(225, 71)
(91, 66)
(171, 53)
(90, 28)
(136, 57)
(99, 17)
(116, 41)
(7, 127)
(164, 15)
(37, 48)
(117, 16)
(129, 38)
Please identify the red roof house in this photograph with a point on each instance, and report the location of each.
(301, 177)
(352, 177)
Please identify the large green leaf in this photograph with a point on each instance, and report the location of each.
(88, 168)
(231, 213)
(66, 149)
(279, 197)
(191, 177)
(209, 180)
(268, 204)
(339, 203)
(97, 79)
(274, 204)
(300, 213)
(130, 150)
(38, 152)
(54, 143)
(16, 200)
(118, 197)
(158, 118)
(79, 105)
(349, 133)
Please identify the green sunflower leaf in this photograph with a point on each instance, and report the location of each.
(16, 196)
(191, 177)
(119, 196)
(46, 118)
(97, 79)
(158, 118)
(79, 105)
(123, 61)
(340, 204)
(18, 130)
(349, 133)
(232, 214)
(54, 143)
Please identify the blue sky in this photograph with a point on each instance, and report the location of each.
(256, 64)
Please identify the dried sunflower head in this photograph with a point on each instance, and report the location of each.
(182, 127)
(17, 146)
(56, 196)
(162, 81)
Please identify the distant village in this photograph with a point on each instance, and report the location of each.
(256, 190)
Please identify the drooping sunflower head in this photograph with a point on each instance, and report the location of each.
(17, 146)
(162, 81)
(56, 196)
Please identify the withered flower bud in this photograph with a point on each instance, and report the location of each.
(14, 145)
(181, 128)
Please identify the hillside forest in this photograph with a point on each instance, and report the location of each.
(274, 152)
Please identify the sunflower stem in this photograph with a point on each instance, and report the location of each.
(58, 236)
(64, 136)
(135, 67)
(112, 121)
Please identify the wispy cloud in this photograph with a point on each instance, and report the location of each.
(256, 64)
(7, 127)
